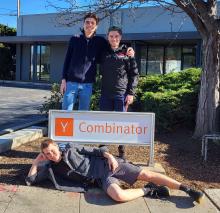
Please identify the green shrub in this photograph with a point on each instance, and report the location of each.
(172, 97)
(54, 101)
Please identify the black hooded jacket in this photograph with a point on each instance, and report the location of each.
(119, 72)
(81, 58)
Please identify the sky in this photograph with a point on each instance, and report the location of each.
(8, 10)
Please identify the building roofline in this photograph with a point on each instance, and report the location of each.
(126, 37)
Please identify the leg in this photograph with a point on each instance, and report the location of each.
(121, 151)
(106, 104)
(119, 106)
(70, 95)
(123, 195)
(85, 93)
(158, 178)
(164, 180)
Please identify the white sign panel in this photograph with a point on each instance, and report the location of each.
(102, 127)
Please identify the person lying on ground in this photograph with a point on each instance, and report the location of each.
(73, 167)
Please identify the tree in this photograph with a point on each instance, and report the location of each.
(7, 54)
(205, 18)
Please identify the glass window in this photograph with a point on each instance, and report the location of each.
(32, 63)
(189, 57)
(143, 61)
(189, 61)
(173, 59)
(41, 70)
(188, 50)
(155, 60)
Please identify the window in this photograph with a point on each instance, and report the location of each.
(189, 57)
(165, 59)
(155, 60)
(40, 63)
(173, 59)
(143, 60)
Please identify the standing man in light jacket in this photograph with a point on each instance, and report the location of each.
(79, 69)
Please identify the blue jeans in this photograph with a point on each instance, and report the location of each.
(82, 91)
(116, 103)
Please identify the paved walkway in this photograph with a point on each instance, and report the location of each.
(24, 199)
(20, 105)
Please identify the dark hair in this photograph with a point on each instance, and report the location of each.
(91, 15)
(115, 28)
(46, 143)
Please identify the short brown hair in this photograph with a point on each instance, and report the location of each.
(46, 143)
(115, 28)
(91, 15)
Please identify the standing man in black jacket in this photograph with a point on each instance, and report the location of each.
(119, 77)
(79, 69)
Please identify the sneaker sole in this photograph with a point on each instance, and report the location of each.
(200, 199)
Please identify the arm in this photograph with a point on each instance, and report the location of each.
(103, 47)
(132, 72)
(95, 151)
(66, 65)
(37, 160)
(112, 162)
(102, 152)
(34, 174)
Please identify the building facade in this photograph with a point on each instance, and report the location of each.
(163, 42)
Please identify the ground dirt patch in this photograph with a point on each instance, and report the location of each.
(178, 153)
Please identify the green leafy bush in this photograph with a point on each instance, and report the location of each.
(172, 97)
(54, 101)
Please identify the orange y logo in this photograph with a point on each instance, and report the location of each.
(64, 127)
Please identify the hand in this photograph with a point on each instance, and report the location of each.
(63, 86)
(128, 100)
(112, 163)
(41, 157)
(130, 52)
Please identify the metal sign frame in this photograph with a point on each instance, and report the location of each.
(103, 116)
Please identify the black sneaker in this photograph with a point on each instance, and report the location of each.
(198, 196)
(157, 191)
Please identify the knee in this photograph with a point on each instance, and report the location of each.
(146, 175)
(117, 194)
(119, 197)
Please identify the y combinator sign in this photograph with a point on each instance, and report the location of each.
(102, 127)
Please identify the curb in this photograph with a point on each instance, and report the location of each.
(213, 196)
(17, 138)
(22, 126)
(25, 84)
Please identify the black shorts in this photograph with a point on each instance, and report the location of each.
(126, 172)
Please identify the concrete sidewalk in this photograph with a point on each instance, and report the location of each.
(25, 199)
(19, 106)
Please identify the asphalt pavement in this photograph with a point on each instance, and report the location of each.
(20, 105)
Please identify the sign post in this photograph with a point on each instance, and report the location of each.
(100, 127)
